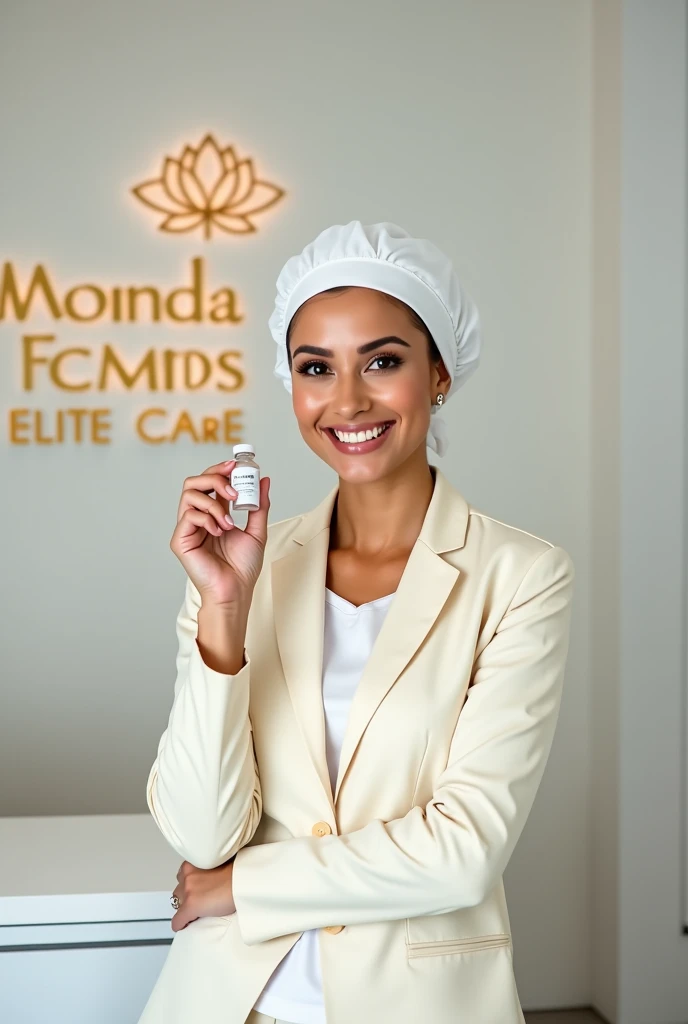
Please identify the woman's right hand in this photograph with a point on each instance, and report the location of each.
(222, 560)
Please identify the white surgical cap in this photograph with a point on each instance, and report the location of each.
(386, 258)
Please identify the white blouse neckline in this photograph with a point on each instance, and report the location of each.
(352, 609)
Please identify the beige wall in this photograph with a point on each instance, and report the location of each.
(468, 123)
(605, 507)
(652, 876)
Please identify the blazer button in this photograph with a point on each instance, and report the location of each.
(321, 828)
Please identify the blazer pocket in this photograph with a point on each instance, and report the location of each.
(443, 947)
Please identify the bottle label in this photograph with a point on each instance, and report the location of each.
(246, 480)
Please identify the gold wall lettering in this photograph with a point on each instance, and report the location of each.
(87, 303)
(92, 368)
(153, 426)
(158, 370)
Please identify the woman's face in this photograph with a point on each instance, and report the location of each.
(359, 364)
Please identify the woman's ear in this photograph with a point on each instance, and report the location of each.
(440, 376)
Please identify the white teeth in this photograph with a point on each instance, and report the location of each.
(361, 435)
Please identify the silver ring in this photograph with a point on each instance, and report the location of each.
(174, 900)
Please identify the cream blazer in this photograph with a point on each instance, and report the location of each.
(449, 732)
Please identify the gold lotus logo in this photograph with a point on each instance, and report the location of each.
(208, 186)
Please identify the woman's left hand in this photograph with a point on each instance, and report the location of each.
(203, 893)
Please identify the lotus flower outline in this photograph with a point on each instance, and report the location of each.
(208, 186)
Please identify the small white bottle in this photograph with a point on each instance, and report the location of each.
(245, 478)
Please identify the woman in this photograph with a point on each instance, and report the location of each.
(366, 693)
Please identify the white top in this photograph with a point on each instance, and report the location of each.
(294, 991)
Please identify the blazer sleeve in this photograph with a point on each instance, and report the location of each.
(203, 789)
(449, 853)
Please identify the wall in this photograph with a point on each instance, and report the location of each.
(605, 509)
(653, 951)
(467, 123)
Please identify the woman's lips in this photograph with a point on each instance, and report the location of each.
(359, 447)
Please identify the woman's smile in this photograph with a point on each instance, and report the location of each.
(359, 447)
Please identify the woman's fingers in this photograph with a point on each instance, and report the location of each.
(196, 494)
(195, 517)
(188, 910)
(221, 467)
(200, 502)
(210, 482)
(200, 509)
(257, 522)
(182, 916)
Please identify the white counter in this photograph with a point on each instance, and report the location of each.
(79, 899)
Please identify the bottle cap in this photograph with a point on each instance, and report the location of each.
(243, 448)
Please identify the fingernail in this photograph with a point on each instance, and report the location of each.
(229, 520)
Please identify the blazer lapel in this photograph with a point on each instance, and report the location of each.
(298, 604)
(423, 589)
(298, 581)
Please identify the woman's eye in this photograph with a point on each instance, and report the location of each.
(305, 367)
(395, 360)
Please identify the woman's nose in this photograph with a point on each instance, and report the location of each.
(351, 394)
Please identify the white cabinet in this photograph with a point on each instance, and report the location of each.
(84, 917)
(84, 985)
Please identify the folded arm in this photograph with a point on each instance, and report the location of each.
(204, 789)
(451, 852)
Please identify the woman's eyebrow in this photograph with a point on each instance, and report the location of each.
(314, 350)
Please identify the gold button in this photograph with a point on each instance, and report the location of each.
(321, 828)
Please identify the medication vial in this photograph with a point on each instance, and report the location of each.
(245, 478)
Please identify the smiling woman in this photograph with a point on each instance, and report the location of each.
(393, 376)
(410, 274)
(366, 693)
